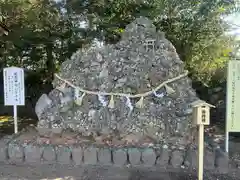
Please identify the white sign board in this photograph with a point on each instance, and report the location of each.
(233, 100)
(14, 91)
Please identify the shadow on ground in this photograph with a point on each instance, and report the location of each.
(57, 172)
(177, 175)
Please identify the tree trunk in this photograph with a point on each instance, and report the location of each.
(50, 64)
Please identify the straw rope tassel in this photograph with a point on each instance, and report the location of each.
(79, 100)
(111, 102)
(140, 104)
(169, 90)
(123, 94)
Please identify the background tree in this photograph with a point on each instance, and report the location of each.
(44, 33)
(196, 28)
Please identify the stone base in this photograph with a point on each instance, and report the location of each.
(14, 151)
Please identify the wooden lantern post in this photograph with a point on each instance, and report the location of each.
(201, 117)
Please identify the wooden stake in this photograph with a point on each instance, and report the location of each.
(200, 151)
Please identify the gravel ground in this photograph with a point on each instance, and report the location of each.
(46, 172)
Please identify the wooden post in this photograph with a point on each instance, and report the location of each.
(200, 151)
(201, 117)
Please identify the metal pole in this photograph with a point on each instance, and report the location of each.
(15, 119)
(227, 141)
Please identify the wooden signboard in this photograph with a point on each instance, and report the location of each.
(233, 100)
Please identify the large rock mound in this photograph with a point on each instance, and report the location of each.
(138, 63)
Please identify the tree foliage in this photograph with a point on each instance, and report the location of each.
(44, 33)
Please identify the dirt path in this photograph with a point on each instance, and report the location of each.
(46, 172)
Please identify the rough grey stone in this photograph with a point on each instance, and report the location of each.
(90, 155)
(176, 158)
(138, 63)
(149, 157)
(33, 153)
(43, 102)
(119, 157)
(104, 156)
(15, 153)
(64, 154)
(57, 130)
(134, 156)
(44, 130)
(67, 103)
(77, 155)
(49, 154)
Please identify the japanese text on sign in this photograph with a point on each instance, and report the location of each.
(233, 97)
(14, 91)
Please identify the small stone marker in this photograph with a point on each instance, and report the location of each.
(90, 155)
(164, 158)
(77, 155)
(149, 157)
(104, 156)
(119, 157)
(134, 156)
(15, 153)
(177, 159)
(3, 150)
(64, 155)
(33, 154)
(49, 154)
(191, 159)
